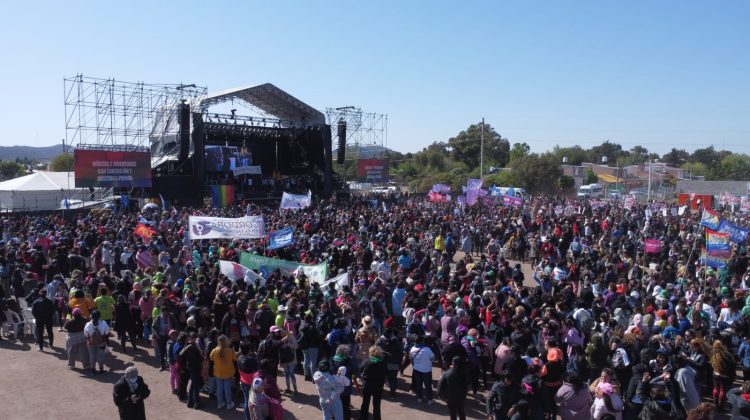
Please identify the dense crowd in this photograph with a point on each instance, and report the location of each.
(607, 331)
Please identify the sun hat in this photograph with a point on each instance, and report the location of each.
(605, 387)
(554, 354)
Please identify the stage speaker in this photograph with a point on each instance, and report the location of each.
(183, 118)
(341, 153)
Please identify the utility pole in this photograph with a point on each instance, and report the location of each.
(481, 152)
(648, 197)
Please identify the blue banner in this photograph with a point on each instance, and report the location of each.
(736, 234)
(281, 238)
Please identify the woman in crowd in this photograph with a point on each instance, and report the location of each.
(373, 372)
(329, 390)
(288, 361)
(453, 387)
(309, 341)
(124, 324)
(573, 399)
(224, 358)
(96, 332)
(724, 367)
(75, 345)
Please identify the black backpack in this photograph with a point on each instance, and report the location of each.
(286, 354)
(364, 307)
(266, 350)
(247, 364)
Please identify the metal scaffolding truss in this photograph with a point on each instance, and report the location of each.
(111, 148)
(366, 132)
(111, 113)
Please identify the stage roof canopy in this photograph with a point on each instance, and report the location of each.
(271, 100)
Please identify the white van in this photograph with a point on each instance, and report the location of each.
(590, 191)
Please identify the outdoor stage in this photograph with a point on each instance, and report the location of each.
(198, 145)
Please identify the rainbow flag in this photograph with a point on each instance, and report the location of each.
(222, 195)
(717, 251)
(710, 219)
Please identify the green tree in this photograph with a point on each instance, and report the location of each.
(405, 171)
(591, 177)
(537, 173)
(62, 163)
(695, 169)
(566, 183)
(501, 179)
(735, 167)
(575, 154)
(432, 158)
(10, 169)
(612, 151)
(638, 155)
(676, 157)
(465, 147)
(707, 156)
(519, 150)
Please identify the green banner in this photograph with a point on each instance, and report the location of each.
(315, 273)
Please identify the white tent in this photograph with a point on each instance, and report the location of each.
(41, 191)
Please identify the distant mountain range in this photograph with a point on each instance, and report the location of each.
(30, 152)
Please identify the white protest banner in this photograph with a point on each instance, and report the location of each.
(339, 282)
(246, 170)
(630, 201)
(235, 271)
(315, 273)
(205, 227)
(296, 201)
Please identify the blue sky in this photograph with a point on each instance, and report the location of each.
(660, 74)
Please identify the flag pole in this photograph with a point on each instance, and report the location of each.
(705, 261)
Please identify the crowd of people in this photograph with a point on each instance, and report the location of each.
(601, 330)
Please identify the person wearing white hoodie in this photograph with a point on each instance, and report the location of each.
(329, 388)
(606, 402)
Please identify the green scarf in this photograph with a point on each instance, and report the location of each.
(339, 358)
(374, 359)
